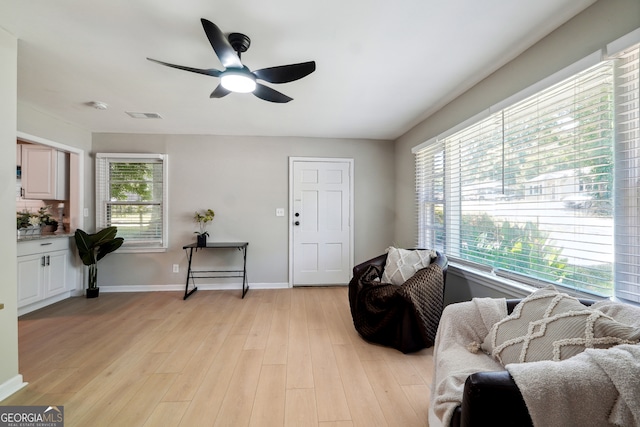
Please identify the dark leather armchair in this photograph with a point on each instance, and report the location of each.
(404, 331)
(493, 398)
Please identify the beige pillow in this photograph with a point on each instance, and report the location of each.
(548, 325)
(403, 263)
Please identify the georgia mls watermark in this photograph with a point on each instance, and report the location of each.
(31, 416)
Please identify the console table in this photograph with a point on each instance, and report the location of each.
(202, 274)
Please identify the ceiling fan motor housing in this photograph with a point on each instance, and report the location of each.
(239, 42)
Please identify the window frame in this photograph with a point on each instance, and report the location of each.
(103, 160)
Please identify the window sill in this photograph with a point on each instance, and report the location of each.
(507, 286)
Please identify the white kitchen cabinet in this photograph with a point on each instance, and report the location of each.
(45, 272)
(44, 173)
(30, 279)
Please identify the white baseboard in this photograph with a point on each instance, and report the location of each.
(11, 386)
(41, 304)
(201, 286)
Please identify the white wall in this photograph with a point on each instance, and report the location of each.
(35, 123)
(244, 180)
(9, 377)
(591, 30)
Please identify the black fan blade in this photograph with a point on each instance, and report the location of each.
(209, 72)
(228, 57)
(286, 73)
(219, 92)
(271, 95)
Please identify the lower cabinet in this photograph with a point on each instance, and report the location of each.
(45, 273)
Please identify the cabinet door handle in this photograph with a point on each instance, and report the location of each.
(46, 244)
(48, 260)
(43, 261)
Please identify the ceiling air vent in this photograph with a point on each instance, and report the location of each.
(144, 115)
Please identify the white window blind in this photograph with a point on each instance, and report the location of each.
(131, 195)
(529, 190)
(627, 176)
(430, 194)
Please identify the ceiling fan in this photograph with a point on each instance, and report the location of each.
(237, 77)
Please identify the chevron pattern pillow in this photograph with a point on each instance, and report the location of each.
(403, 263)
(548, 325)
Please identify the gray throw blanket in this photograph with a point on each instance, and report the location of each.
(599, 387)
(461, 325)
(383, 313)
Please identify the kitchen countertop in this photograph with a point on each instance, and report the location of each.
(43, 236)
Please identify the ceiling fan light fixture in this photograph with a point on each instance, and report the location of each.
(237, 77)
(238, 81)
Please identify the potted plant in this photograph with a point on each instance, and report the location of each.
(28, 223)
(92, 248)
(47, 223)
(203, 219)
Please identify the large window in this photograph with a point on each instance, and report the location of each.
(131, 194)
(546, 190)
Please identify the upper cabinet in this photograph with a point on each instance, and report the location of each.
(44, 173)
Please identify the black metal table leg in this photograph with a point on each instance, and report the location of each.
(244, 275)
(188, 292)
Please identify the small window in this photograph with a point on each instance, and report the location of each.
(131, 194)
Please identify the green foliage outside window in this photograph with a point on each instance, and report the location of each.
(132, 181)
(524, 249)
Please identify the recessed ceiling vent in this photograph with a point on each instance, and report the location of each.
(144, 115)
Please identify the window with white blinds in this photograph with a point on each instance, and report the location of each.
(131, 194)
(538, 190)
(627, 176)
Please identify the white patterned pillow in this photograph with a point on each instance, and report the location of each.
(403, 263)
(548, 325)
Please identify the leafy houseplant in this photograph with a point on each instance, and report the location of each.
(92, 248)
(46, 220)
(34, 222)
(203, 219)
(24, 219)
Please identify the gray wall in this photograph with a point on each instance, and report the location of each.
(8, 289)
(591, 30)
(244, 180)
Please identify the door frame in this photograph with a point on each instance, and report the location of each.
(290, 217)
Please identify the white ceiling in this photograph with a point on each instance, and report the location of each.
(382, 66)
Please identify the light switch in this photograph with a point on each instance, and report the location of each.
(280, 212)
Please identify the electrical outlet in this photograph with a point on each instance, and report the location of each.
(176, 268)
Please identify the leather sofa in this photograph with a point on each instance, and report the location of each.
(492, 398)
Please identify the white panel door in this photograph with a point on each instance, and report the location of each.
(321, 207)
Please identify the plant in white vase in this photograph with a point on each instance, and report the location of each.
(28, 223)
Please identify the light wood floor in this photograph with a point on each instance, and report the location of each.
(286, 357)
